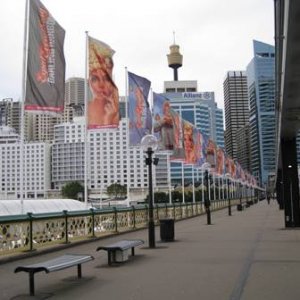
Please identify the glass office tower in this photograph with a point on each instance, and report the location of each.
(261, 93)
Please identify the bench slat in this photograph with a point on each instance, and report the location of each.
(56, 264)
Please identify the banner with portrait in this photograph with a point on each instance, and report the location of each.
(189, 143)
(103, 105)
(199, 147)
(45, 80)
(178, 148)
(139, 114)
(211, 153)
(220, 166)
(163, 124)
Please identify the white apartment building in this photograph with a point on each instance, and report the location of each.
(36, 172)
(109, 159)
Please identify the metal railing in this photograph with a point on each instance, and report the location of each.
(34, 231)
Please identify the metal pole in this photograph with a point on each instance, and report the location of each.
(151, 228)
(229, 200)
(207, 200)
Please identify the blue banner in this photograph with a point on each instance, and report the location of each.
(139, 114)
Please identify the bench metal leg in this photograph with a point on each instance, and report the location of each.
(109, 256)
(31, 283)
(79, 270)
(132, 251)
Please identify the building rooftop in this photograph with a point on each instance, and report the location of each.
(14, 207)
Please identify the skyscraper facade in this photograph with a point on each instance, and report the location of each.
(236, 108)
(36, 171)
(74, 91)
(261, 92)
(10, 113)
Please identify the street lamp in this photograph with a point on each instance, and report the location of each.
(149, 144)
(228, 194)
(206, 167)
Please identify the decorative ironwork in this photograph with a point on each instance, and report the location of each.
(29, 232)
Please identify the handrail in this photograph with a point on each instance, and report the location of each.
(32, 231)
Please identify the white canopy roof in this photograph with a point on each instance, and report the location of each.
(13, 207)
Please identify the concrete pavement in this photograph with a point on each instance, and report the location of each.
(246, 256)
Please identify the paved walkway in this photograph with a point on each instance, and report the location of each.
(248, 256)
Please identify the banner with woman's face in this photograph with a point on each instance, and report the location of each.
(103, 107)
(211, 153)
(199, 147)
(220, 167)
(189, 143)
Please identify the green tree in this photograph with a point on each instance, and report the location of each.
(116, 190)
(71, 190)
(176, 196)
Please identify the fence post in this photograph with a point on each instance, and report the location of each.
(93, 221)
(133, 215)
(181, 212)
(147, 210)
(174, 211)
(116, 219)
(66, 226)
(30, 231)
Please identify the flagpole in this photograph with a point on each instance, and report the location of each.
(202, 185)
(127, 137)
(193, 181)
(24, 75)
(169, 178)
(182, 183)
(86, 121)
(152, 132)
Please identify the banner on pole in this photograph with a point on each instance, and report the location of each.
(45, 83)
(139, 114)
(103, 106)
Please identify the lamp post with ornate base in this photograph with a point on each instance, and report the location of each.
(149, 145)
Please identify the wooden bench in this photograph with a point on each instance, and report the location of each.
(120, 246)
(56, 264)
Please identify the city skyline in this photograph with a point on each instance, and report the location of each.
(209, 33)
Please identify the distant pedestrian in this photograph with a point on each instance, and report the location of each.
(268, 199)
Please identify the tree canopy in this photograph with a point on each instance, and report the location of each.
(117, 190)
(71, 190)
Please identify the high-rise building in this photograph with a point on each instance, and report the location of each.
(243, 147)
(261, 92)
(74, 98)
(10, 113)
(74, 91)
(236, 108)
(200, 109)
(36, 172)
(109, 161)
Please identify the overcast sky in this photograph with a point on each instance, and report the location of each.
(214, 36)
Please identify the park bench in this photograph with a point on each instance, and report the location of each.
(56, 264)
(121, 247)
